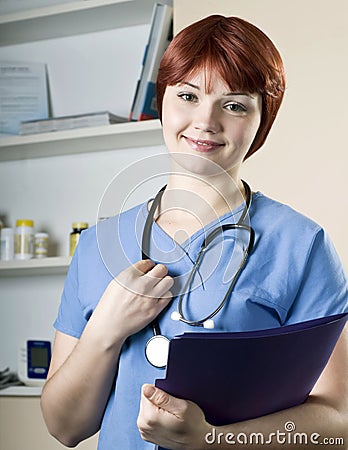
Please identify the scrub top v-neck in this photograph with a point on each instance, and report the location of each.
(293, 274)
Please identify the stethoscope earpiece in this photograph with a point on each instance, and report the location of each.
(209, 324)
(175, 315)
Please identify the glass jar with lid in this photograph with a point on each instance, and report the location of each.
(24, 239)
(77, 228)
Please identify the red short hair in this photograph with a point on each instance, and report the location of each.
(239, 52)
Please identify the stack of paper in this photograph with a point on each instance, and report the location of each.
(70, 122)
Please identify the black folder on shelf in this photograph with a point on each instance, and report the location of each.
(242, 375)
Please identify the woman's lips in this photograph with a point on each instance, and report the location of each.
(202, 145)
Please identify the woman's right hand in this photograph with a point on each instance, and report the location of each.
(82, 371)
(133, 299)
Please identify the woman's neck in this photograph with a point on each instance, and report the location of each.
(189, 202)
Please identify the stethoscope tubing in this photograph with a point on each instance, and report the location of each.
(211, 236)
(200, 322)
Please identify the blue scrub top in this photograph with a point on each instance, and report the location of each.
(293, 274)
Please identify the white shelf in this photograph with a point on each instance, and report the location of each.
(29, 267)
(73, 18)
(82, 140)
(21, 391)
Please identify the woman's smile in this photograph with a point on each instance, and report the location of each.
(202, 145)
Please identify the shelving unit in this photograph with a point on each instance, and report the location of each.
(21, 391)
(44, 266)
(68, 19)
(59, 21)
(73, 18)
(82, 140)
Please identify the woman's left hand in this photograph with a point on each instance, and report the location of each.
(171, 422)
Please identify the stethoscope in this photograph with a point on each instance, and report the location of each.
(157, 347)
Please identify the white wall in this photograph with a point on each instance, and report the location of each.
(91, 72)
(303, 163)
(86, 73)
(305, 159)
(54, 192)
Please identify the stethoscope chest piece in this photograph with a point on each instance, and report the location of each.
(156, 351)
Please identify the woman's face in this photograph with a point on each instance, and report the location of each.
(217, 126)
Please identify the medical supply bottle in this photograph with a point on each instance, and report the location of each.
(7, 244)
(77, 227)
(41, 245)
(24, 239)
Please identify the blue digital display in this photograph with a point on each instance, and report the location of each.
(38, 357)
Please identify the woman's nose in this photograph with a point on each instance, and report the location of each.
(206, 118)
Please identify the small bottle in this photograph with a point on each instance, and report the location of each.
(77, 227)
(24, 239)
(7, 244)
(41, 245)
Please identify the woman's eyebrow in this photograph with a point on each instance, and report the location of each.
(186, 83)
(247, 94)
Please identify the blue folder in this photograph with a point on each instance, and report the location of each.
(242, 375)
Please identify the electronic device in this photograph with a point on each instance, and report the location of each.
(34, 358)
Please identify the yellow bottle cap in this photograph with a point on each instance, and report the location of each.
(24, 223)
(80, 225)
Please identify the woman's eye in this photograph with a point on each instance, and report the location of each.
(236, 107)
(187, 97)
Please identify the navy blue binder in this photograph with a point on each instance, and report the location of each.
(242, 375)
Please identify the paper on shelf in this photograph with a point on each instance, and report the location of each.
(23, 94)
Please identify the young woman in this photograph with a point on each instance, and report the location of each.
(220, 85)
